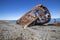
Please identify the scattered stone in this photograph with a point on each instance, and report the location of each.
(11, 31)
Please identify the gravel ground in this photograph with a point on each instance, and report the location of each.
(11, 31)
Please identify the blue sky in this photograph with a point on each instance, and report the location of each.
(14, 9)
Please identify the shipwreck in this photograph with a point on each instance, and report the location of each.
(39, 15)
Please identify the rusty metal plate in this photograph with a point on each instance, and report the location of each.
(27, 19)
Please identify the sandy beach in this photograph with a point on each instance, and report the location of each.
(12, 31)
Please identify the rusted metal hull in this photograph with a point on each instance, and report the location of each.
(27, 19)
(38, 15)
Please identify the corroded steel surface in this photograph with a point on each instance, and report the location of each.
(38, 15)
